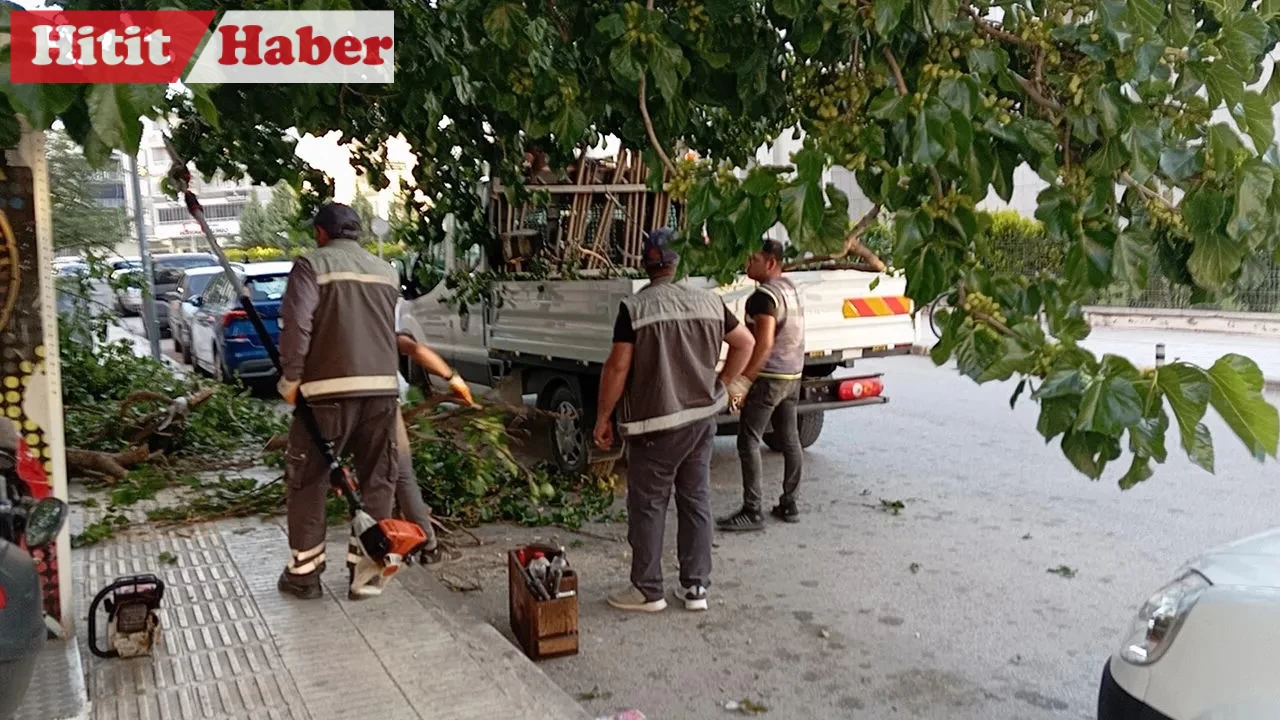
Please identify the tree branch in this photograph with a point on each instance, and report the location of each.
(1146, 192)
(1031, 91)
(852, 245)
(995, 32)
(897, 72)
(648, 125)
(902, 92)
(648, 121)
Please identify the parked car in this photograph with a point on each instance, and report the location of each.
(183, 302)
(223, 341)
(1205, 645)
(166, 270)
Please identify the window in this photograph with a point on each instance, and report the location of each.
(196, 284)
(221, 211)
(267, 287)
(159, 156)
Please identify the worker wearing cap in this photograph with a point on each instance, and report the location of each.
(769, 389)
(338, 349)
(661, 376)
(408, 494)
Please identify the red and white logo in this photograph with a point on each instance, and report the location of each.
(103, 46)
(283, 46)
(303, 46)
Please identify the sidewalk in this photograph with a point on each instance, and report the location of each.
(234, 647)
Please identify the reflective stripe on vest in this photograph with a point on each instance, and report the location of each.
(345, 276)
(674, 420)
(362, 383)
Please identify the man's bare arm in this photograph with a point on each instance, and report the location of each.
(613, 380)
(740, 346)
(765, 329)
(424, 356)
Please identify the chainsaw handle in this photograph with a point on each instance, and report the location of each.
(132, 580)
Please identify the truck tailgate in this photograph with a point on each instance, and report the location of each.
(843, 312)
(559, 319)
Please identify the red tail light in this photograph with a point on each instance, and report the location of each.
(232, 316)
(3, 600)
(858, 388)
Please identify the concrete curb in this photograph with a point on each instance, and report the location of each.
(1215, 321)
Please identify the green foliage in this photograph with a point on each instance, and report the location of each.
(469, 473)
(274, 225)
(80, 221)
(932, 105)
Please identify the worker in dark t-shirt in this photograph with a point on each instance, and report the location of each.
(769, 389)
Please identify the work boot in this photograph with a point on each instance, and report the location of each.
(742, 521)
(303, 587)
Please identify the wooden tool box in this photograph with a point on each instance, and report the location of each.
(545, 628)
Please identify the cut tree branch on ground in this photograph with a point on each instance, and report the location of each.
(852, 246)
(115, 465)
(111, 466)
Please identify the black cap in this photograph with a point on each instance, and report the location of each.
(657, 249)
(773, 248)
(339, 221)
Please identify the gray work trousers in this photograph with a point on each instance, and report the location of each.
(365, 429)
(656, 463)
(768, 400)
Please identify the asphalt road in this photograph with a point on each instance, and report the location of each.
(828, 618)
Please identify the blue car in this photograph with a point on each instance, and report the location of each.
(223, 341)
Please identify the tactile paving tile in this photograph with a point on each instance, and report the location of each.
(216, 659)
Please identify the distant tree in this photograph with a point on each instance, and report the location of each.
(364, 209)
(81, 221)
(263, 225)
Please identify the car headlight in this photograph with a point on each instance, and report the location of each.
(1158, 621)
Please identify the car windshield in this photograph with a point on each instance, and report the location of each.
(197, 283)
(267, 287)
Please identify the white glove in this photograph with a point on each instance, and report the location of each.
(288, 389)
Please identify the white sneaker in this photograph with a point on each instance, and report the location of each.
(633, 600)
(695, 598)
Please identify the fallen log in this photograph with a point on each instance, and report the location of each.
(108, 465)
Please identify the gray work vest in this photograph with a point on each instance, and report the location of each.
(353, 337)
(786, 361)
(679, 332)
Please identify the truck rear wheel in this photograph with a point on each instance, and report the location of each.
(810, 427)
(566, 435)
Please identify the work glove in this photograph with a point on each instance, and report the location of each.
(738, 394)
(288, 390)
(460, 389)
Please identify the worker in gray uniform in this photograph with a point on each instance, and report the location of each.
(338, 349)
(408, 493)
(662, 369)
(768, 390)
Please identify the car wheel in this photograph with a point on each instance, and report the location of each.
(567, 436)
(187, 357)
(177, 340)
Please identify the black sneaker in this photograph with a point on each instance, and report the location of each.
(786, 512)
(303, 588)
(742, 521)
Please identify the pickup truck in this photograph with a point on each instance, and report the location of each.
(550, 338)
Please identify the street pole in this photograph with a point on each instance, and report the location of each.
(148, 279)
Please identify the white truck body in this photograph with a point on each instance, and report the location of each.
(573, 319)
(556, 334)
